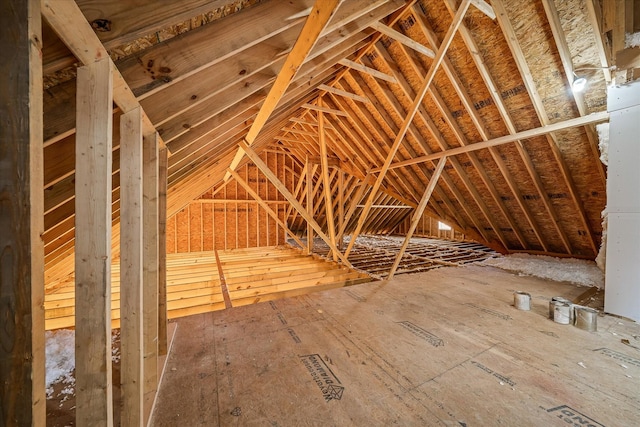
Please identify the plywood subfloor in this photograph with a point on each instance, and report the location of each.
(443, 347)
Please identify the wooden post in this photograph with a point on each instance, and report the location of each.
(340, 208)
(150, 268)
(131, 375)
(22, 360)
(94, 116)
(162, 252)
(328, 205)
(309, 206)
(417, 214)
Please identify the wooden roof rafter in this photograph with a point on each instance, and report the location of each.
(519, 57)
(457, 20)
(438, 137)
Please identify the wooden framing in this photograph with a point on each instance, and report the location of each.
(283, 190)
(94, 403)
(457, 20)
(309, 197)
(318, 19)
(367, 70)
(22, 354)
(265, 206)
(326, 183)
(69, 23)
(325, 110)
(343, 93)
(162, 251)
(326, 83)
(407, 41)
(150, 267)
(131, 266)
(417, 214)
(567, 124)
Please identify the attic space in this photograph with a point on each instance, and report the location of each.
(319, 212)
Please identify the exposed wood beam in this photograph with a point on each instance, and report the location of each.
(401, 38)
(265, 206)
(398, 109)
(309, 196)
(437, 135)
(287, 194)
(602, 116)
(595, 25)
(150, 269)
(134, 20)
(482, 130)
(320, 15)
(331, 228)
(628, 58)
(94, 402)
(417, 214)
(341, 200)
(22, 352)
(131, 279)
(343, 93)
(67, 20)
(565, 57)
(367, 70)
(325, 110)
(538, 104)
(457, 20)
(162, 252)
(484, 7)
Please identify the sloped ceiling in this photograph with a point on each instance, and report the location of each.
(202, 69)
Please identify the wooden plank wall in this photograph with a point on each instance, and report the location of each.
(229, 218)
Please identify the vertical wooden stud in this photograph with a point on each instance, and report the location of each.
(309, 207)
(131, 376)
(94, 121)
(328, 204)
(162, 251)
(22, 359)
(150, 270)
(340, 207)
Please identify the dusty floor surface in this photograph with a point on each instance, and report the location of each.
(444, 347)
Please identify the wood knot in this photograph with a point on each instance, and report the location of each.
(101, 25)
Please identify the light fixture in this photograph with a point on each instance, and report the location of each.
(579, 83)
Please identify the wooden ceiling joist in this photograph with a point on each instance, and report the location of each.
(71, 26)
(543, 130)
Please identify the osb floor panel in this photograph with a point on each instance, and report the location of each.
(444, 347)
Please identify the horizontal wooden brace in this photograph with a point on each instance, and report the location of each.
(602, 116)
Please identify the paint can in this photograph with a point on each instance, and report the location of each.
(562, 312)
(586, 318)
(552, 305)
(522, 300)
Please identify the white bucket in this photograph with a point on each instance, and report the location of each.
(522, 300)
(586, 318)
(562, 313)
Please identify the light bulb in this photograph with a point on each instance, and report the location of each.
(579, 84)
